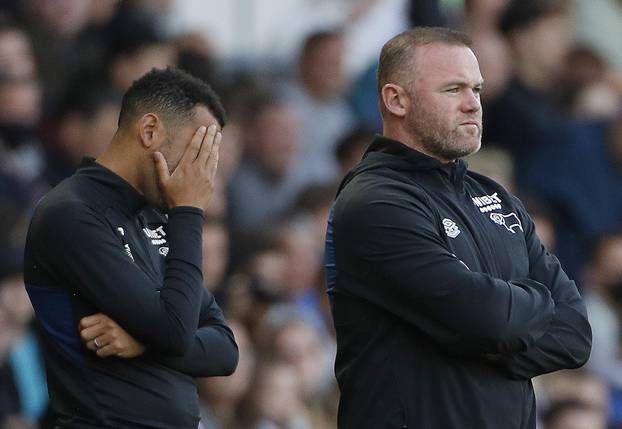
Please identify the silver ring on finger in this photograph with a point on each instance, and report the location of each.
(96, 343)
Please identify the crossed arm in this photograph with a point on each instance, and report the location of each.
(530, 326)
(567, 342)
(213, 351)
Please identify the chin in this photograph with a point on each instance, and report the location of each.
(475, 147)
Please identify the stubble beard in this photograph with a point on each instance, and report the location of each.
(440, 141)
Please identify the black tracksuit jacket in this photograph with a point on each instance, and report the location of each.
(444, 301)
(93, 246)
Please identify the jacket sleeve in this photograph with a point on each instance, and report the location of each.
(567, 341)
(389, 244)
(75, 242)
(214, 351)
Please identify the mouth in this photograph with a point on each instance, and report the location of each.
(471, 123)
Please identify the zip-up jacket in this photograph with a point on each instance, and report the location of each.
(445, 303)
(94, 246)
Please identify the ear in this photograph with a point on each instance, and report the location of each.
(395, 99)
(149, 129)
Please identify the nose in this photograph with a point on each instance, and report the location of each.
(471, 101)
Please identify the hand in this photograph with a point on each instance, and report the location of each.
(192, 181)
(106, 338)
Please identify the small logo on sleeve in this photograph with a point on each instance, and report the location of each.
(126, 246)
(510, 221)
(451, 229)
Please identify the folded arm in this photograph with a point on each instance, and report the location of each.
(78, 243)
(397, 244)
(567, 341)
(213, 351)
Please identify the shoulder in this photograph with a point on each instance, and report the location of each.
(63, 209)
(378, 196)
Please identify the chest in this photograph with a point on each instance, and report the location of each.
(143, 239)
(485, 231)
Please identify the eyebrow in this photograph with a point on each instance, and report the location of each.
(463, 84)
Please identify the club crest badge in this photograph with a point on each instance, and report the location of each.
(451, 229)
(510, 221)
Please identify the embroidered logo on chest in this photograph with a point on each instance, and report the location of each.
(510, 221)
(487, 203)
(156, 235)
(451, 229)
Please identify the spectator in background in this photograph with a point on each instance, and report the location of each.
(289, 337)
(137, 47)
(351, 148)
(215, 253)
(524, 117)
(276, 400)
(496, 163)
(267, 180)
(544, 221)
(318, 96)
(598, 27)
(573, 414)
(21, 363)
(588, 91)
(480, 21)
(258, 280)
(572, 385)
(54, 28)
(16, 56)
(84, 125)
(603, 298)
(313, 203)
(22, 159)
(303, 249)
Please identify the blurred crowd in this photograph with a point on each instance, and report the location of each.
(297, 78)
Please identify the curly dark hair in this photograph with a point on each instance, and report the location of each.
(171, 93)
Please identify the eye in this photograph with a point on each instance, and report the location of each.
(477, 89)
(453, 90)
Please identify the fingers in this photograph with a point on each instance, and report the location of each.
(208, 143)
(212, 161)
(107, 350)
(161, 167)
(192, 151)
(102, 340)
(93, 332)
(94, 319)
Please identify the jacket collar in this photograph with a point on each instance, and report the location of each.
(114, 187)
(407, 158)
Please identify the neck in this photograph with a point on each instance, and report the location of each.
(402, 136)
(119, 159)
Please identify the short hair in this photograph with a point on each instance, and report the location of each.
(171, 93)
(400, 49)
(520, 14)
